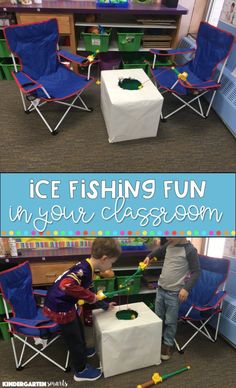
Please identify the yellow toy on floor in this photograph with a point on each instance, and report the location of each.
(157, 378)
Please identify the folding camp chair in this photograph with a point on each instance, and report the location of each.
(42, 77)
(28, 319)
(205, 299)
(188, 83)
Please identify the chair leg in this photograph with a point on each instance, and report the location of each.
(38, 352)
(217, 325)
(188, 104)
(210, 104)
(200, 107)
(67, 368)
(83, 107)
(67, 111)
(31, 108)
(23, 101)
(14, 352)
(44, 120)
(198, 330)
(163, 119)
(35, 106)
(22, 351)
(178, 347)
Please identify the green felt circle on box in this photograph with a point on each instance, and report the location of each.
(127, 314)
(130, 84)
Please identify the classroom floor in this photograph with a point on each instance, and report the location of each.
(185, 142)
(212, 366)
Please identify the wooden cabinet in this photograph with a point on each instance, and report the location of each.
(160, 32)
(47, 264)
(147, 17)
(65, 24)
(46, 273)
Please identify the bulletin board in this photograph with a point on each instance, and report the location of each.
(228, 13)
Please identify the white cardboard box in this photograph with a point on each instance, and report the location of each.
(126, 345)
(129, 114)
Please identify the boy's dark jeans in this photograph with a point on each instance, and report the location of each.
(73, 334)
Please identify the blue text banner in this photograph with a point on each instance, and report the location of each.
(117, 204)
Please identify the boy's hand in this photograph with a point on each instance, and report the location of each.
(147, 260)
(111, 305)
(183, 295)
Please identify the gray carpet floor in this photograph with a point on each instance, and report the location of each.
(185, 143)
(212, 366)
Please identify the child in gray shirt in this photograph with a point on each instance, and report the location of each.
(180, 271)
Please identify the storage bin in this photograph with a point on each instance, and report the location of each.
(7, 68)
(110, 60)
(129, 41)
(134, 247)
(2, 310)
(95, 42)
(105, 284)
(150, 304)
(161, 60)
(2, 77)
(164, 61)
(143, 2)
(4, 331)
(112, 3)
(134, 285)
(4, 52)
(134, 61)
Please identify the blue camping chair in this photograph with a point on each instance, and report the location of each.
(42, 77)
(205, 299)
(189, 82)
(28, 320)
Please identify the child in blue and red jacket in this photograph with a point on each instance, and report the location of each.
(63, 295)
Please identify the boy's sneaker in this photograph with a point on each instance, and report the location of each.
(90, 352)
(88, 374)
(166, 352)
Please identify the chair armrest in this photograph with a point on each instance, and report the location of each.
(202, 85)
(213, 303)
(216, 299)
(25, 83)
(83, 61)
(40, 292)
(32, 323)
(172, 51)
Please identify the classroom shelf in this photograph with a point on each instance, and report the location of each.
(133, 268)
(126, 25)
(145, 290)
